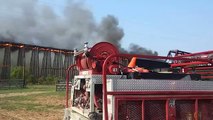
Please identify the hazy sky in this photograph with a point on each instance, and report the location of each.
(160, 25)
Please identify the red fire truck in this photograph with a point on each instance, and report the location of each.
(109, 85)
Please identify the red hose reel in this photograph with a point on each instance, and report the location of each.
(93, 60)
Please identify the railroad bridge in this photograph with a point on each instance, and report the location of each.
(38, 61)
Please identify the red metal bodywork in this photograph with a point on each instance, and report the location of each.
(170, 113)
(205, 69)
(102, 59)
(67, 83)
(104, 73)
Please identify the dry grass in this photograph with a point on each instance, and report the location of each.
(32, 103)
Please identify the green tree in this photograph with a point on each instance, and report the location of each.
(17, 72)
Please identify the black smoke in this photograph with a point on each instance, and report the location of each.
(136, 49)
(27, 21)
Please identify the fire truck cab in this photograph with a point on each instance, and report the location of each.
(113, 86)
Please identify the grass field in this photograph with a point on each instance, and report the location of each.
(32, 103)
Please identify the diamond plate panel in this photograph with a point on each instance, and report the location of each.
(205, 110)
(155, 110)
(129, 110)
(156, 85)
(97, 79)
(185, 109)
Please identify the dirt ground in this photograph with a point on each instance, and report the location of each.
(36, 105)
(18, 94)
(28, 115)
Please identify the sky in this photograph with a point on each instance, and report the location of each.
(159, 25)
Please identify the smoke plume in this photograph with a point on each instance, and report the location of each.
(27, 21)
(136, 49)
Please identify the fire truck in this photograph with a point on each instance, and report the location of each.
(108, 85)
